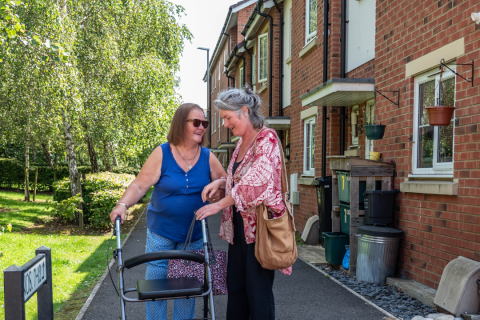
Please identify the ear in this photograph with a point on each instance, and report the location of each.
(244, 109)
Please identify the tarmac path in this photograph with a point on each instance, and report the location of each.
(306, 294)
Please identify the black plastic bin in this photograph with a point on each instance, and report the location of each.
(324, 201)
(379, 206)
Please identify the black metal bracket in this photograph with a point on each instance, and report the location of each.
(442, 63)
(393, 91)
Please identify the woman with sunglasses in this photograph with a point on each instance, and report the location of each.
(179, 170)
(254, 177)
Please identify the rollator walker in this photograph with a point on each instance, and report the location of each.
(166, 289)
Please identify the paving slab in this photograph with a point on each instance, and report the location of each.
(306, 294)
(313, 254)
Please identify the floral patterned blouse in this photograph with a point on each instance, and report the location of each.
(257, 179)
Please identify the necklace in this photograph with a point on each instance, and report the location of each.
(186, 160)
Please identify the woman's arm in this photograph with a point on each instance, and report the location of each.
(147, 177)
(215, 208)
(216, 169)
(215, 190)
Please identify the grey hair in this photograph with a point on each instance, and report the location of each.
(234, 99)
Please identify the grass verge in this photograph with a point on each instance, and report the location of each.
(78, 256)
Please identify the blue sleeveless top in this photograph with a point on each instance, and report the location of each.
(176, 196)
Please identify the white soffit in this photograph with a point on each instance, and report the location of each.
(430, 60)
(278, 123)
(340, 92)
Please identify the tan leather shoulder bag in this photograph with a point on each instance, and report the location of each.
(275, 246)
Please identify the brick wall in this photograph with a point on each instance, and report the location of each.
(437, 228)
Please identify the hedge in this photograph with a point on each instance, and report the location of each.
(100, 191)
(12, 174)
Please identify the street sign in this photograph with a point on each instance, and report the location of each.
(34, 276)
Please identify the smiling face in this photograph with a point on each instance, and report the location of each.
(192, 132)
(238, 124)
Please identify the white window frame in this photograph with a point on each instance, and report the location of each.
(214, 121)
(215, 81)
(356, 109)
(368, 142)
(260, 37)
(445, 168)
(224, 68)
(308, 123)
(242, 81)
(309, 36)
(218, 71)
(219, 121)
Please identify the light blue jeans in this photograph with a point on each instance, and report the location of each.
(157, 310)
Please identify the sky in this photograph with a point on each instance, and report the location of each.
(205, 19)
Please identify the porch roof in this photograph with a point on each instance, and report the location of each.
(226, 145)
(340, 92)
(278, 123)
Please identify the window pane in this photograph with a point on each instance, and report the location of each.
(263, 57)
(425, 132)
(445, 134)
(312, 132)
(307, 147)
(445, 144)
(313, 16)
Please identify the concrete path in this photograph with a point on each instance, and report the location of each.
(306, 294)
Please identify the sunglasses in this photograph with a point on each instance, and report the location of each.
(197, 122)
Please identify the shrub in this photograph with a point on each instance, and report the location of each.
(100, 192)
(67, 208)
(102, 203)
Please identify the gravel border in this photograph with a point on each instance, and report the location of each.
(387, 297)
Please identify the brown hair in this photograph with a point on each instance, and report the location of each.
(176, 135)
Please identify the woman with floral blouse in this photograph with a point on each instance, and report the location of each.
(253, 178)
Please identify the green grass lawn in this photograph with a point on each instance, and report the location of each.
(78, 256)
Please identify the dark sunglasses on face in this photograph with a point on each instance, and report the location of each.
(197, 122)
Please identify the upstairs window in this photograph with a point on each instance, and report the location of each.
(433, 148)
(310, 20)
(262, 57)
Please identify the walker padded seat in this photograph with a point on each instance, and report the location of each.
(168, 288)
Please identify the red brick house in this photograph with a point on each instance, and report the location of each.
(334, 57)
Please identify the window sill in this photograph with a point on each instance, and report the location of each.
(308, 47)
(263, 88)
(430, 186)
(306, 180)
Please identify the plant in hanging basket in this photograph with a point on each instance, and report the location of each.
(373, 131)
(441, 115)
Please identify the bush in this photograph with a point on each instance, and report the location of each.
(102, 203)
(126, 170)
(67, 208)
(100, 191)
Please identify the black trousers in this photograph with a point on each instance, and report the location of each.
(250, 294)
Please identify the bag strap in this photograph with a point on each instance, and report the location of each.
(188, 242)
(284, 183)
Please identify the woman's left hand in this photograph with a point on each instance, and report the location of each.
(208, 210)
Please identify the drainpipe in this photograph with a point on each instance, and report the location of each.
(228, 79)
(270, 84)
(280, 65)
(233, 80)
(244, 64)
(343, 74)
(324, 108)
(251, 63)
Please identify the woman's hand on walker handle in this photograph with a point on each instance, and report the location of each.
(118, 211)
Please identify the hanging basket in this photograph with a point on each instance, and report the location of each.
(375, 131)
(440, 115)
